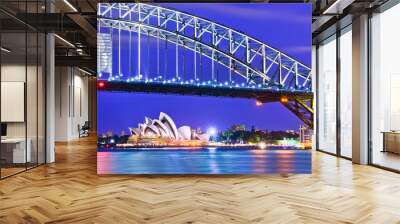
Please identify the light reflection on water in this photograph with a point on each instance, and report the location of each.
(203, 161)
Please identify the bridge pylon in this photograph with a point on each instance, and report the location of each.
(301, 106)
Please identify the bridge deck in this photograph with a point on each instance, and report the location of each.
(264, 95)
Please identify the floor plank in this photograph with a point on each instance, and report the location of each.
(70, 191)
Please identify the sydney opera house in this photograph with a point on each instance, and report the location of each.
(163, 131)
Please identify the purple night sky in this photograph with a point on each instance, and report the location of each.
(286, 27)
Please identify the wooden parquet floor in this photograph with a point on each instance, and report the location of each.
(69, 191)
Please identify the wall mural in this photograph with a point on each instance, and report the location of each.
(216, 88)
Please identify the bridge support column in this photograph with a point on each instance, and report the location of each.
(176, 59)
(360, 90)
(139, 52)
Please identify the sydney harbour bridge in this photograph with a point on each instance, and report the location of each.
(163, 50)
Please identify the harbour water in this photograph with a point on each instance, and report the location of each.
(210, 160)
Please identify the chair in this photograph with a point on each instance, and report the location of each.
(84, 130)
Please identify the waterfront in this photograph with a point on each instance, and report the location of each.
(211, 160)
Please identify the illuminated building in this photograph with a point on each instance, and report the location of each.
(305, 137)
(164, 128)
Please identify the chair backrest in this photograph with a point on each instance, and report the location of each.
(86, 125)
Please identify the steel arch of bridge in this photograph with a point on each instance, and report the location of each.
(206, 50)
(263, 67)
(257, 62)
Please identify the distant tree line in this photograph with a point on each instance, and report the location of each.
(240, 135)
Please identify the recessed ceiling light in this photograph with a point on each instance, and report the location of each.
(84, 71)
(5, 50)
(64, 40)
(337, 7)
(70, 5)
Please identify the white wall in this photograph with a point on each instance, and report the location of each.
(61, 103)
(71, 102)
(80, 110)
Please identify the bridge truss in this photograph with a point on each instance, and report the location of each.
(260, 66)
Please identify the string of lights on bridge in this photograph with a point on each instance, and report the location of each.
(192, 82)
